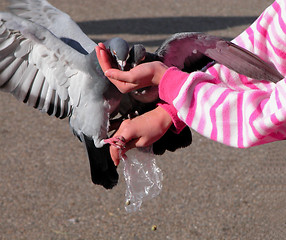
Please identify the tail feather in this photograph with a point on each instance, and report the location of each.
(102, 169)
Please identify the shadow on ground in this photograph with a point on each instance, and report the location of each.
(161, 26)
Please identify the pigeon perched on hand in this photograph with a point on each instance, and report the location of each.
(47, 62)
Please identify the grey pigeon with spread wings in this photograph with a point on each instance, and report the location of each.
(47, 62)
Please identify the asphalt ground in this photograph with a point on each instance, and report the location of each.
(210, 191)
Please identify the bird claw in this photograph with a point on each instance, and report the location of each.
(118, 142)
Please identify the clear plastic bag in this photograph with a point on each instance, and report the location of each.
(143, 177)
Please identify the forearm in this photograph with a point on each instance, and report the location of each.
(236, 118)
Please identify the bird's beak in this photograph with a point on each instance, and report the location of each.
(121, 64)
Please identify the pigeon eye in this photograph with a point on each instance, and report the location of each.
(114, 52)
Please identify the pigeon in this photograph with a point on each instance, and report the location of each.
(192, 51)
(47, 62)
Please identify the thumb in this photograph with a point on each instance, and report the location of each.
(116, 74)
(121, 80)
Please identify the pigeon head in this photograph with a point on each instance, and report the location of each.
(119, 49)
(137, 55)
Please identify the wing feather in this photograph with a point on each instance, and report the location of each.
(35, 90)
(4, 53)
(5, 62)
(48, 100)
(190, 48)
(7, 41)
(243, 61)
(15, 68)
(36, 67)
(42, 96)
(23, 48)
(24, 85)
(58, 22)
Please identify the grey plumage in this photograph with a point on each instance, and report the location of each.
(117, 49)
(137, 55)
(47, 62)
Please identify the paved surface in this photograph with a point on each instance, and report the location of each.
(210, 191)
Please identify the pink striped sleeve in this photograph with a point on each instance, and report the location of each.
(230, 108)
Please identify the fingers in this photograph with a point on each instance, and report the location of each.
(122, 80)
(127, 81)
(141, 131)
(103, 57)
(144, 75)
(127, 131)
(118, 75)
(117, 153)
(134, 134)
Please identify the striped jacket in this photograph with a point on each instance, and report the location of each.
(230, 108)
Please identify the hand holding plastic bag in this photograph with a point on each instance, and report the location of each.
(143, 177)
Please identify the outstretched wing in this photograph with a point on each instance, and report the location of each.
(44, 72)
(186, 50)
(59, 23)
(36, 67)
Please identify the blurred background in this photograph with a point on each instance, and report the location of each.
(210, 191)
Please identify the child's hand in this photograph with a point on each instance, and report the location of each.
(144, 75)
(141, 131)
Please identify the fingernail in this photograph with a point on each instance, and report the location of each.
(101, 45)
(107, 73)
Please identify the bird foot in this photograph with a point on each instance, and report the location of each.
(118, 142)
